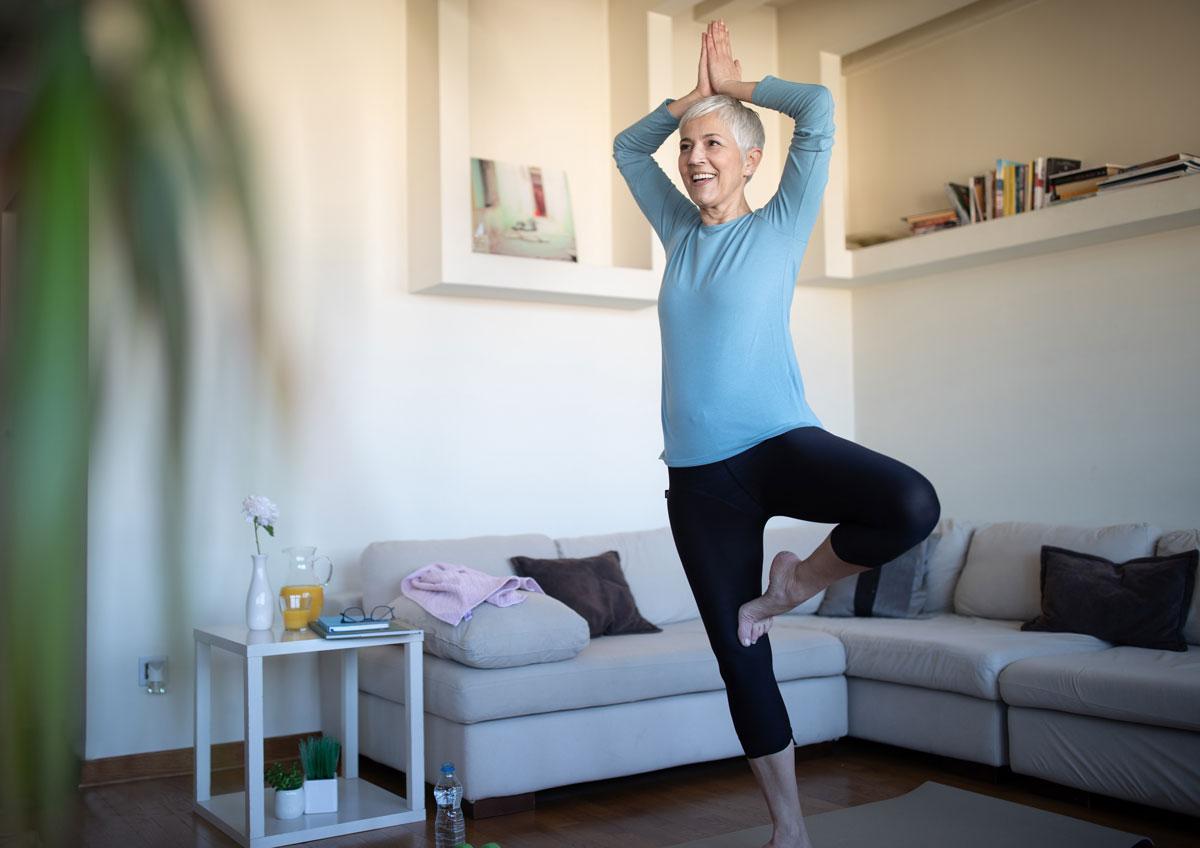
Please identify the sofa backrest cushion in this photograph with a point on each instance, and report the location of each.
(385, 564)
(801, 539)
(651, 566)
(894, 590)
(946, 563)
(1177, 542)
(656, 576)
(1002, 575)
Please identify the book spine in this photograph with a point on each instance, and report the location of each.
(1076, 176)
(998, 209)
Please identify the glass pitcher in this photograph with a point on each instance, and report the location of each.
(302, 577)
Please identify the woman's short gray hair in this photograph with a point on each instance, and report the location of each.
(742, 121)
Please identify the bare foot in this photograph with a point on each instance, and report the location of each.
(785, 592)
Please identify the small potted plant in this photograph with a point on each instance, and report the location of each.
(289, 790)
(319, 756)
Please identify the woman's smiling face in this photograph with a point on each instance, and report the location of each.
(707, 147)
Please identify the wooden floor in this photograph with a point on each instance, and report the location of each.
(640, 811)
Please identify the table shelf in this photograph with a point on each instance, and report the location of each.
(361, 806)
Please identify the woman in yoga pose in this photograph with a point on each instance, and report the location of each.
(740, 442)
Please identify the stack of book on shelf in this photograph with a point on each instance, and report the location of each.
(1154, 171)
(1016, 187)
(332, 627)
(927, 222)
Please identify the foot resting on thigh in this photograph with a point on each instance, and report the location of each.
(785, 592)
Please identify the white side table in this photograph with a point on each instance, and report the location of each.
(361, 805)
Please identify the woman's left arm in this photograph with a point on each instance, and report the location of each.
(793, 209)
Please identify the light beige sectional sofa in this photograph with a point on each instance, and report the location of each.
(963, 680)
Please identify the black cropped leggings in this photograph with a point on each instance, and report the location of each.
(718, 512)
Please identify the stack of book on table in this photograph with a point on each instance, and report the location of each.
(332, 627)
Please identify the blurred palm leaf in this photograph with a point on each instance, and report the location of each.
(120, 93)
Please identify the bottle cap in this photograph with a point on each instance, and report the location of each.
(447, 767)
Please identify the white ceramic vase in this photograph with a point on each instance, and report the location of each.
(289, 803)
(260, 601)
(320, 796)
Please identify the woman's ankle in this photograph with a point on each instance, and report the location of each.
(824, 567)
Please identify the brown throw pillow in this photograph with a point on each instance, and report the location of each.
(1142, 602)
(593, 586)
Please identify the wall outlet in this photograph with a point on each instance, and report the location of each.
(144, 675)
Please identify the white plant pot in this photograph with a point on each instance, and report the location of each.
(320, 796)
(289, 803)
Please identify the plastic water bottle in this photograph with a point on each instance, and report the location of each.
(449, 828)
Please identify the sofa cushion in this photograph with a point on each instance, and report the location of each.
(945, 563)
(894, 590)
(537, 630)
(592, 586)
(655, 574)
(1001, 576)
(801, 538)
(651, 566)
(1124, 683)
(1142, 602)
(385, 564)
(1176, 542)
(608, 671)
(945, 651)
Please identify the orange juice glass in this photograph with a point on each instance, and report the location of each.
(315, 595)
(295, 607)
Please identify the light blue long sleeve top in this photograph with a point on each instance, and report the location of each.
(729, 372)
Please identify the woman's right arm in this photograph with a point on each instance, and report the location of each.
(661, 202)
(664, 205)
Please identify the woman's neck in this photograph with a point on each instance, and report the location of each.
(736, 209)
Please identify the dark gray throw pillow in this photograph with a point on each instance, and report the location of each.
(1142, 602)
(594, 587)
(894, 590)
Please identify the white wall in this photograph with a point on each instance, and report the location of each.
(1060, 388)
(417, 416)
(1054, 389)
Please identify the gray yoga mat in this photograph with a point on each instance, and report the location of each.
(938, 816)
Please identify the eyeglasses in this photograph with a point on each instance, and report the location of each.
(380, 613)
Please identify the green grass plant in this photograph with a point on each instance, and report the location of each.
(319, 756)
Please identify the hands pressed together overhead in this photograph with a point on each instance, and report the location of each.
(717, 65)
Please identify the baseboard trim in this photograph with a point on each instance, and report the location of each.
(154, 764)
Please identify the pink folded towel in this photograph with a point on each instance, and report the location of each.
(450, 592)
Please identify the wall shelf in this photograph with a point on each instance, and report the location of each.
(441, 260)
(1126, 213)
